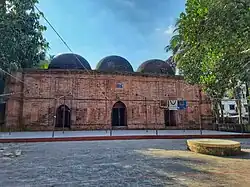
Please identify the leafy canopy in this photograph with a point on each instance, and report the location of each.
(214, 49)
(21, 41)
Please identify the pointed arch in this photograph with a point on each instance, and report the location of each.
(119, 114)
(63, 116)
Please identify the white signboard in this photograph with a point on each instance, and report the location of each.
(172, 105)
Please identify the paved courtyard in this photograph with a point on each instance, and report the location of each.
(119, 163)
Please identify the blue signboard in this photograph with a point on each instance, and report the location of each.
(182, 104)
(119, 85)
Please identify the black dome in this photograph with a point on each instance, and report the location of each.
(69, 61)
(156, 66)
(114, 63)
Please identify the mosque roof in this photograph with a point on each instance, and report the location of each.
(114, 63)
(155, 66)
(69, 61)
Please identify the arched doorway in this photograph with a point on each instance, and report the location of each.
(169, 117)
(2, 113)
(119, 115)
(63, 116)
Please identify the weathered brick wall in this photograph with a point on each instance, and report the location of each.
(14, 105)
(92, 96)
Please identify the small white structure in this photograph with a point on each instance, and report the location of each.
(230, 108)
(230, 105)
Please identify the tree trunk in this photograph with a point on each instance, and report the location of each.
(216, 113)
(221, 111)
(239, 108)
(248, 102)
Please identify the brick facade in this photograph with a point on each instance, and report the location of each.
(90, 96)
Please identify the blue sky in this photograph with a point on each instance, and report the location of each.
(135, 29)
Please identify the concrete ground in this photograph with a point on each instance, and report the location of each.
(48, 134)
(119, 163)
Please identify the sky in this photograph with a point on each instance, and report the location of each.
(137, 30)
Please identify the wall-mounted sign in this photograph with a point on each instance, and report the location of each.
(119, 85)
(172, 105)
(182, 104)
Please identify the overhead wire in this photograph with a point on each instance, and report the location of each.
(63, 41)
(61, 38)
(67, 46)
(5, 72)
(12, 93)
(58, 36)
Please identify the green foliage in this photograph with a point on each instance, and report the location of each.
(21, 41)
(230, 93)
(44, 64)
(213, 49)
(176, 41)
(176, 45)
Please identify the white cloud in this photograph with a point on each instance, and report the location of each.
(169, 30)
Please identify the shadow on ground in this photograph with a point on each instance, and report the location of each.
(120, 163)
(195, 169)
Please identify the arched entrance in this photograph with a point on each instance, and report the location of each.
(119, 115)
(63, 116)
(169, 117)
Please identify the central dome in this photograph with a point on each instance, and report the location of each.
(69, 61)
(156, 66)
(114, 63)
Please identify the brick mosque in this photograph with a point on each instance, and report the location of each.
(70, 95)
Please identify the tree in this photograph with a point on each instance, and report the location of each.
(214, 44)
(51, 57)
(21, 41)
(176, 42)
(176, 45)
(44, 64)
